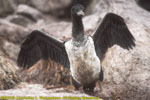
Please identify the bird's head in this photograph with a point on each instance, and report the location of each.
(78, 10)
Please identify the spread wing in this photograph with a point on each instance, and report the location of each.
(112, 30)
(39, 45)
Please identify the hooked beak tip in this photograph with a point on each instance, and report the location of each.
(80, 13)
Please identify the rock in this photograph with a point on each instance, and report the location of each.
(12, 32)
(19, 20)
(30, 90)
(8, 76)
(63, 28)
(29, 12)
(22, 2)
(11, 36)
(54, 7)
(9, 49)
(48, 6)
(6, 7)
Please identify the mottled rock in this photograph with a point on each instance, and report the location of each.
(37, 91)
(6, 7)
(9, 49)
(59, 29)
(12, 32)
(29, 12)
(8, 76)
(57, 8)
(48, 6)
(28, 2)
(19, 20)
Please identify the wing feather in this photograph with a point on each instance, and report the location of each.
(112, 30)
(39, 45)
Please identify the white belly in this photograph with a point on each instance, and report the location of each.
(84, 63)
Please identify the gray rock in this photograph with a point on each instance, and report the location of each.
(19, 20)
(12, 32)
(29, 12)
(9, 49)
(28, 2)
(30, 90)
(9, 78)
(55, 7)
(6, 7)
(48, 6)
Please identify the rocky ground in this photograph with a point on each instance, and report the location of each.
(126, 73)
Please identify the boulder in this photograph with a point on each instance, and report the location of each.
(8, 75)
(48, 6)
(19, 20)
(22, 2)
(12, 32)
(6, 7)
(54, 7)
(9, 49)
(29, 12)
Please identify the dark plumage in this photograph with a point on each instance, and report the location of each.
(82, 54)
(39, 45)
(112, 30)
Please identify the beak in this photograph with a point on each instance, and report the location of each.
(80, 13)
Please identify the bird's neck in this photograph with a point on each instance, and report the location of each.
(77, 28)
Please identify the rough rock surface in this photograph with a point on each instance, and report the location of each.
(29, 12)
(8, 76)
(54, 7)
(50, 5)
(37, 91)
(6, 7)
(12, 32)
(11, 36)
(126, 73)
(19, 20)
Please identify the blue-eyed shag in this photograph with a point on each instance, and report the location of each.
(82, 54)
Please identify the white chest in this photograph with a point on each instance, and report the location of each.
(84, 63)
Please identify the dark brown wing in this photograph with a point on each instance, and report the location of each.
(39, 45)
(112, 30)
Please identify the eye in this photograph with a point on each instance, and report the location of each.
(82, 8)
(76, 10)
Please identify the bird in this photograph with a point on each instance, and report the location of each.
(82, 54)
